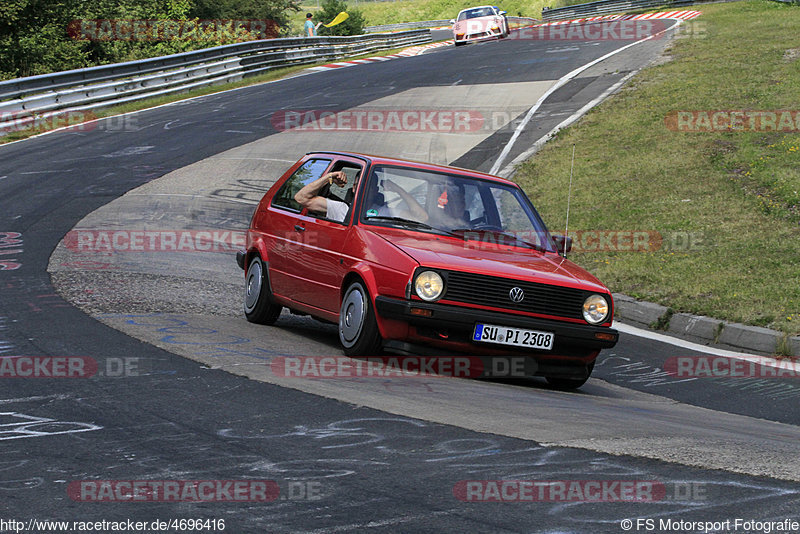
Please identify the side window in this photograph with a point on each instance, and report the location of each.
(340, 199)
(311, 170)
(344, 194)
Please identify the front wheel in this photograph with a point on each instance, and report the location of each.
(358, 329)
(258, 305)
(570, 383)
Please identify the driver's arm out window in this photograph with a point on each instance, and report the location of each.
(311, 170)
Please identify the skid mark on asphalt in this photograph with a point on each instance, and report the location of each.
(687, 493)
(15, 425)
(650, 376)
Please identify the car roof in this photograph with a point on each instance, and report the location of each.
(386, 160)
(478, 7)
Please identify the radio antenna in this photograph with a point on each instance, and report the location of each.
(569, 196)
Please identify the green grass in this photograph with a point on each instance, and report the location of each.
(735, 193)
(397, 11)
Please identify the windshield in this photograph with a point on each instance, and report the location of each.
(452, 204)
(475, 13)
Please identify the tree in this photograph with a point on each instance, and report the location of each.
(44, 36)
(276, 10)
(33, 39)
(354, 25)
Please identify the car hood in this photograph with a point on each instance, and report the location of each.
(477, 24)
(448, 253)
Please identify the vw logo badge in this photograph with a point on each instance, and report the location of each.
(516, 294)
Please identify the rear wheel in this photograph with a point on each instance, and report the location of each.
(358, 329)
(258, 305)
(570, 383)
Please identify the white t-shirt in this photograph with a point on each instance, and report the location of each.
(337, 211)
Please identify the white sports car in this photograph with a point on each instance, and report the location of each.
(479, 24)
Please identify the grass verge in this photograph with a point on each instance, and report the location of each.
(724, 203)
(398, 11)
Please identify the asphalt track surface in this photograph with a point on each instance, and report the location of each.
(177, 415)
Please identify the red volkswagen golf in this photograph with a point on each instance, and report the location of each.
(412, 256)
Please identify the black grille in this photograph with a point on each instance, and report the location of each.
(493, 291)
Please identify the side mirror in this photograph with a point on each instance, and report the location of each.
(563, 243)
(503, 12)
(452, 21)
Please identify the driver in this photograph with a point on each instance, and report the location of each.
(377, 207)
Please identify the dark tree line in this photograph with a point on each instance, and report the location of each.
(43, 36)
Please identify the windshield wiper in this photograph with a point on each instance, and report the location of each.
(401, 220)
(407, 222)
(514, 239)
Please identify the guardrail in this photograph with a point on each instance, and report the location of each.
(610, 7)
(408, 25)
(519, 21)
(23, 99)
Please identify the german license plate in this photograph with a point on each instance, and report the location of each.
(517, 337)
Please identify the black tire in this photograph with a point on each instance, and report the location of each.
(570, 383)
(258, 305)
(358, 329)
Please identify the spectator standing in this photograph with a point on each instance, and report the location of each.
(310, 29)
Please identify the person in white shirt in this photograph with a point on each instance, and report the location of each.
(308, 197)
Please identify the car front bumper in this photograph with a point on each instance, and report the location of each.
(450, 324)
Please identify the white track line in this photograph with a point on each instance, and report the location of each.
(560, 83)
(766, 361)
(508, 170)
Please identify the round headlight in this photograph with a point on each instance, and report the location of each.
(595, 309)
(429, 285)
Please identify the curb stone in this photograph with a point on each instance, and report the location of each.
(703, 330)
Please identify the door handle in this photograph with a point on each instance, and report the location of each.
(299, 228)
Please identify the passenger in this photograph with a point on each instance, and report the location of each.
(451, 208)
